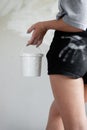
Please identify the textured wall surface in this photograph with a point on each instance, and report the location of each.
(24, 102)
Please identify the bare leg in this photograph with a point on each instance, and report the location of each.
(85, 92)
(70, 99)
(55, 120)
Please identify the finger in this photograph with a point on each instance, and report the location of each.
(30, 29)
(39, 43)
(32, 41)
(27, 44)
(35, 42)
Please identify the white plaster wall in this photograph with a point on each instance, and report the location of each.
(24, 102)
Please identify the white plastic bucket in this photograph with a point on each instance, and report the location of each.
(31, 64)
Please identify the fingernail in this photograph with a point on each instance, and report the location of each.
(27, 44)
(37, 46)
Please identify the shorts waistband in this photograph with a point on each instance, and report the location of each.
(63, 33)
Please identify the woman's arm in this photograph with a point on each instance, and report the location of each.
(39, 30)
(61, 26)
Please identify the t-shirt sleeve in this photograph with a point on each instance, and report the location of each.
(76, 13)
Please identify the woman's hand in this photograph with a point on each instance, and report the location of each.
(39, 30)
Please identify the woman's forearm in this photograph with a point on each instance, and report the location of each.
(39, 30)
(61, 26)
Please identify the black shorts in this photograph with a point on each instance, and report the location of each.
(67, 54)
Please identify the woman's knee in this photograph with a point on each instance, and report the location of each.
(54, 111)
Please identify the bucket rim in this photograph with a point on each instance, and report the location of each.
(32, 54)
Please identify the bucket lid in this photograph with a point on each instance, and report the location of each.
(32, 54)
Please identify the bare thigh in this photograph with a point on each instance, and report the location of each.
(69, 96)
(85, 92)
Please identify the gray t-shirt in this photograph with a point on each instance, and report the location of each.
(73, 12)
